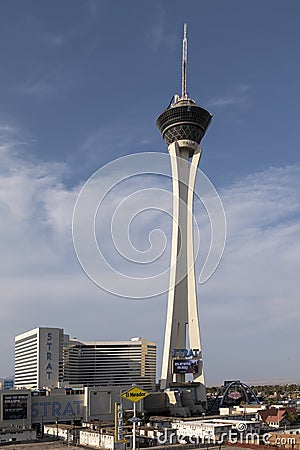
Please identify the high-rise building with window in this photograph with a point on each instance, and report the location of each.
(49, 357)
(39, 357)
(111, 363)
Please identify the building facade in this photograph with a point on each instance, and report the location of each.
(103, 363)
(38, 358)
(47, 357)
(29, 407)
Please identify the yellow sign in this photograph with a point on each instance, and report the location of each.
(135, 394)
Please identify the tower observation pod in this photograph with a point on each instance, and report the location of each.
(182, 126)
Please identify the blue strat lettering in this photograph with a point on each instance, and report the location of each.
(56, 409)
(49, 367)
(68, 409)
(184, 352)
(77, 403)
(45, 408)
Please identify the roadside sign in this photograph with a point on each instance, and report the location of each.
(135, 394)
(119, 423)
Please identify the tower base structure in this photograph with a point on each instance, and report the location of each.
(182, 400)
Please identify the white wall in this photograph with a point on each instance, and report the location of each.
(96, 440)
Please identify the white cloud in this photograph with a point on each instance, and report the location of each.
(54, 39)
(249, 310)
(158, 35)
(253, 298)
(237, 96)
(31, 198)
(42, 83)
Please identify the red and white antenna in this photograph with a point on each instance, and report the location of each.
(184, 62)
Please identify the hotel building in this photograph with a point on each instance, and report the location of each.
(47, 357)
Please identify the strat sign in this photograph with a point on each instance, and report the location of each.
(49, 351)
(185, 352)
(49, 368)
(57, 407)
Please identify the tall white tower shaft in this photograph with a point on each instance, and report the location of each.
(182, 125)
(182, 327)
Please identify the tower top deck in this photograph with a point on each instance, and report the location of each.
(183, 120)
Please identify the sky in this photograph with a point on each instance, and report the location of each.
(81, 85)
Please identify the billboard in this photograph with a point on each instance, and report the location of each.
(8, 384)
(185, 366)
(15, 406)
(235, 395)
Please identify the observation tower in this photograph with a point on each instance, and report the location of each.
(182, 126)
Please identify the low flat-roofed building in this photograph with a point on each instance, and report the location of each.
(17, 434)
(240, 425)
(242, 410)
(61, 431)
(96, 439)
(209, 432)
(25, 407)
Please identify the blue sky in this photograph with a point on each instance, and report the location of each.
(81, 84)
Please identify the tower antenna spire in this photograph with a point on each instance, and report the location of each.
(184, 61)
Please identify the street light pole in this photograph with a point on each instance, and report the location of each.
(134, 426)
(135, 394)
